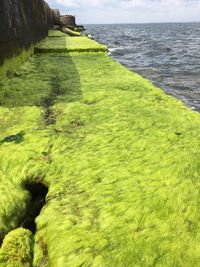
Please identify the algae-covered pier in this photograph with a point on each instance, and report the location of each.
(98, 167)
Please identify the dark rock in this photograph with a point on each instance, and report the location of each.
(68, 21)
(79, 28)
(17, 138)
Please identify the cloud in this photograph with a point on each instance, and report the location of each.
(115, 3)
(113, 11)
(69, 3)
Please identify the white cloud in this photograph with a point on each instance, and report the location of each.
(68, 3)
(112, 11)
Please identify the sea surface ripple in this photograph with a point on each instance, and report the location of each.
(168, 54)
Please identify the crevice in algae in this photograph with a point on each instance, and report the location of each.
(38, 193)
(49, 117)
(2, 235)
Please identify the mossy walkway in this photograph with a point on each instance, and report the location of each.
(121, 160)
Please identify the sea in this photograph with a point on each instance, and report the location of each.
(167, 54)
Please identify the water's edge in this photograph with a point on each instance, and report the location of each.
(166, 54)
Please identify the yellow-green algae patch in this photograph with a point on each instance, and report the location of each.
(57, 42)
(17, 249)
(121, 161)
(71, 33)
(56, 33)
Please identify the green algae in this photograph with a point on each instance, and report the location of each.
(39, 81)
(68, 44)
(10, 65)
(121, 161)
(56, 33)
(17, 249)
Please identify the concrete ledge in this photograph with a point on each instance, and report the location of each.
(57, 42)
(120, 157)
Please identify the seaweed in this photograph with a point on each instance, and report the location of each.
(17, 138)
(120, 161)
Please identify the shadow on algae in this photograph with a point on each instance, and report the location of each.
(41, 81)
(44, 80)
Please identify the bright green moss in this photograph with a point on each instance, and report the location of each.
(69, 44)
(17, 249)
(32, 87)
(11, 191)
(121, 161)
(55, 33)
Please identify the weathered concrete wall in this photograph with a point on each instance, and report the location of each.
(22, 23)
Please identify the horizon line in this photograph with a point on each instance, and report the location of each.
(128, 23)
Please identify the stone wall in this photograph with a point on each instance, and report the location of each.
(22, 23)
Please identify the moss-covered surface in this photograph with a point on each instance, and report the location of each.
(10, 65)
(56, 33)
(71, 33)
(120, 158)
(17, 249)
(57, 42)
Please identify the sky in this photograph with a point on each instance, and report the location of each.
(129, 11)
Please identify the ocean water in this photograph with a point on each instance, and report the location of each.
(167, 54)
